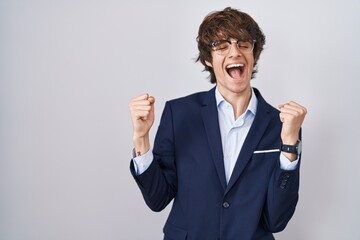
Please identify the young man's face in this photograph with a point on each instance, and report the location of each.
(233, 70)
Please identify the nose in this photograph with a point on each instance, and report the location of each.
(234, 49)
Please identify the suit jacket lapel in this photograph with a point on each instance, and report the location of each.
(256, 131)
(211, 123)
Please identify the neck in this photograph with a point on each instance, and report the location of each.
(238, 101)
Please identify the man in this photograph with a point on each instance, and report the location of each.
(227, 158)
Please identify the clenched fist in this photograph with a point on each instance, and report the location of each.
(292, 116)
(142, 115)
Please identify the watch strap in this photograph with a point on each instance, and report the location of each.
(290, 148)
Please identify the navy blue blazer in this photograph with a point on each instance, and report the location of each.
(188, 168)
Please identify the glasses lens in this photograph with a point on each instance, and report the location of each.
(245, 46)
(221, 46)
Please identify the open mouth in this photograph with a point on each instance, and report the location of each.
(235, 70)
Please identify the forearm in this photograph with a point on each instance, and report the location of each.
(158, 183)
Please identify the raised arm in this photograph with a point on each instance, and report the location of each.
(142, 115)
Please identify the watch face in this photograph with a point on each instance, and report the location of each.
(299, 147)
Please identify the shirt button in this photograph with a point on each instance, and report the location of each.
(226, 205)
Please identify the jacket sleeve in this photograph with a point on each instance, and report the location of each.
(158, 184)
(282, 198)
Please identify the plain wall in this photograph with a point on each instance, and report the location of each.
(69, 68)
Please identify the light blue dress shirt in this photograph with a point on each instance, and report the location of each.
(233, 133)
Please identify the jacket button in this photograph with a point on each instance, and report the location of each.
(226, 205)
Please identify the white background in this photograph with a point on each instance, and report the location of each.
(69, 68)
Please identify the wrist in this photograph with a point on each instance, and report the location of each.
(141, 145)
(290, 156)
(289, 140)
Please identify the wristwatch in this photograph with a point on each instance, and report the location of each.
(296, 149)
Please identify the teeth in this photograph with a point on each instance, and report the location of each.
(235, 65)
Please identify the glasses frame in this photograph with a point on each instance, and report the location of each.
(225, 52)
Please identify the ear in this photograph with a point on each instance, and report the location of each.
(208, 64)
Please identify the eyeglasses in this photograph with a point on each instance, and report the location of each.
(223, 47)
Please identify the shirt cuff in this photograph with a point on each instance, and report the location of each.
(286, 164)
(141, 163)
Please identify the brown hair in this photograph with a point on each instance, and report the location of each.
(225, 24)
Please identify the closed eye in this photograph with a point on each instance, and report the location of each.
(221, 45)
(244, 45)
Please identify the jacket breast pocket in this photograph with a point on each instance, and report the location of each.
(172, 232)
(265, 155)
(264, 160)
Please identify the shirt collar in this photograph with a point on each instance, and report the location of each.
(252, 104)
